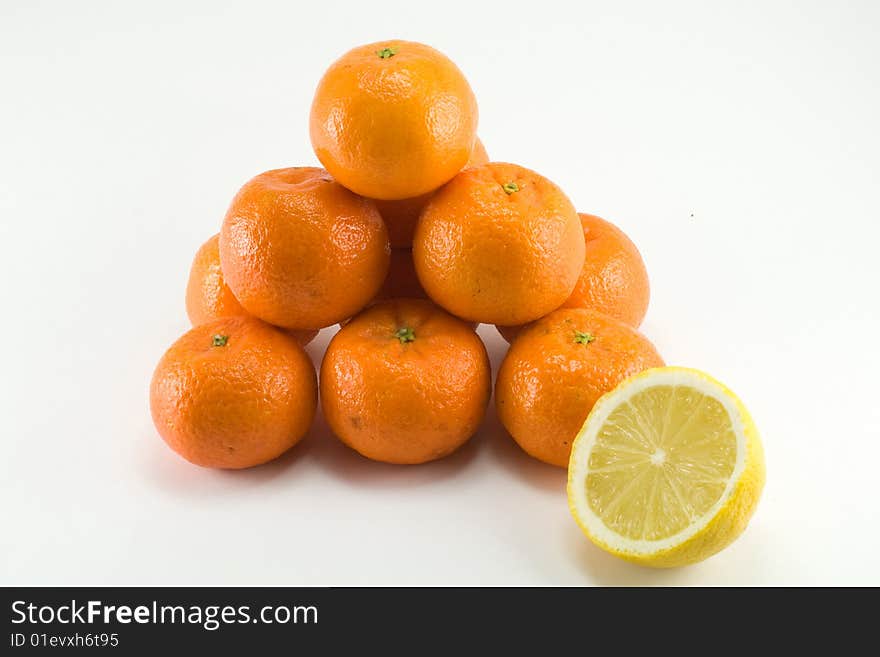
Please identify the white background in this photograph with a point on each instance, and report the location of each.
(736, 143)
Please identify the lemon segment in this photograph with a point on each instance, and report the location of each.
(667, 469)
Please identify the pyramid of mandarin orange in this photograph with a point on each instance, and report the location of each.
(408, 238)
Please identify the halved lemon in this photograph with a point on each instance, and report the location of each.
(667, 469)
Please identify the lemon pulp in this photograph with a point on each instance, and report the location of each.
(660, 461)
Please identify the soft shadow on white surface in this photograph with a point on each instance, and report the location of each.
(607, 570)
(319, 450)
(171, 473)
(720, 569)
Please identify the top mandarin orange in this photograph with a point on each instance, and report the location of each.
(393, 120)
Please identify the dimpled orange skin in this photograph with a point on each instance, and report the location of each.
(233, 405)
(209, 298)
(300, 251)
(495, 257)
(402, 216)
(557, 369)
(613, 281)
(393, 119)
(402, 401)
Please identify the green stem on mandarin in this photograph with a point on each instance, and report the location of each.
(583, 338)
(510, 188)
(405, 335)
(219, 340)
(387, 53)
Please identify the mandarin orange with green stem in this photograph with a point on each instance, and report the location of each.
(613, 280)
(499, 244)
(208, 297)
(405, 382)
(301, 251)
(393, 119)
(233, 393)
(557, 369)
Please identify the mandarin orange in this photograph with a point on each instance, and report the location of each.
(556, 370)
(233, 393)
(405, 382)
(499, 244)
(393, 119)
(299, 250)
